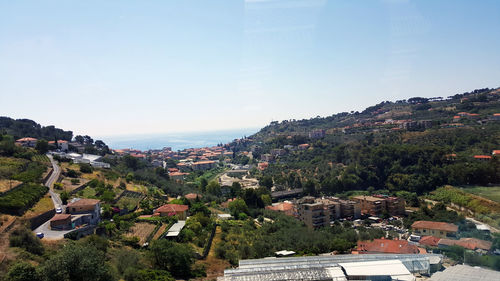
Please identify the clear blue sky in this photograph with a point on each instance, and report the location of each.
(125, 67)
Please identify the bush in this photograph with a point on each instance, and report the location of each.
(23, 271)
(72, 173)
(23, 238)
(75, 181)
(85, 168)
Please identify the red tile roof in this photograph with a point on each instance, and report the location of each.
(172, 208)
(387, 246)
(26, 139)
(435, 225)
(429, 241)
(192, 196)
(469, 243)
(283, 207)
(482, 157)
(60, 217)
(495, 152)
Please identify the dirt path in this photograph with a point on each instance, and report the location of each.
(214, 266)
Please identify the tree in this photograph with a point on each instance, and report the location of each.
(235, 189)
(238, 206)
(203, 184)
(85, 168)
(213, 187)
(266, 181)
(23, 271)
(79, 139)
(64, 197)
(42, 146)
(77, 262)
(174, 257)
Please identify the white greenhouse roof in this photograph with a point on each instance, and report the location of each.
(465, 273)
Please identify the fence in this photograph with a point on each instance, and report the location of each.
(35, 222)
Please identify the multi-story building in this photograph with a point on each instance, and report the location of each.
(378, 205)
(371, 205)
(395, 206)
(350, 209)
(319, 212)
(313, 214)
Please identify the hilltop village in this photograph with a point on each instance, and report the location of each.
(407, 189)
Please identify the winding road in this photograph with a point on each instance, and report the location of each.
(56, 199)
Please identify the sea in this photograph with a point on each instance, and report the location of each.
(177, 141)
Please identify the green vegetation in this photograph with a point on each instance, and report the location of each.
(22, 198)
(244, 239)
(27, 128)
(488, 192)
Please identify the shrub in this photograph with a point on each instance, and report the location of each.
(85, 168)
(75, 181)
(23, 238)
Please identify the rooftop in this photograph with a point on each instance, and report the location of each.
(83, 202)
(444, 226)
(172, 208)
(387, 246)
(465, 273)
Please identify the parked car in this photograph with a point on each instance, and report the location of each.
(58, 210)
(40, 235)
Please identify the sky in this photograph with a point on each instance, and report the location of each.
(111, 68)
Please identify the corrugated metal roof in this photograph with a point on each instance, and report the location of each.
(394, 268)
(465, 273)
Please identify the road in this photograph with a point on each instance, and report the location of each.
(56, 199)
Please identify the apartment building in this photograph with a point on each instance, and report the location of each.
(319, 212)
(378, 205)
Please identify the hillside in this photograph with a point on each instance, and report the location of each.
(413, 145)
(19, 128)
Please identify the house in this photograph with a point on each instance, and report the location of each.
(317, 134)
(178, 176)
(89, 210)
(61, 144)
(173, 209)
(61, 222)
(285, 207)
(434, 228)
(386, 246)
(192, 196)
(267, 157)
(482, 157)
(27, 142)
(262, 166)
(203, 165)
(468, 243)
(429, 241)
(303, 146)
(278, 152)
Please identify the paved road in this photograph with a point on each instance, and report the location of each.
(56, 199)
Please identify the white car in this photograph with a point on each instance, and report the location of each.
(58, 210)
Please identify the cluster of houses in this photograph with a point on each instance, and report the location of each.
(60, 145)
(320, 212)
(191, 159)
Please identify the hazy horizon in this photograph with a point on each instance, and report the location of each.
(117, 68)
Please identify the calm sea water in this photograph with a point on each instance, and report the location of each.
(177, 141)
